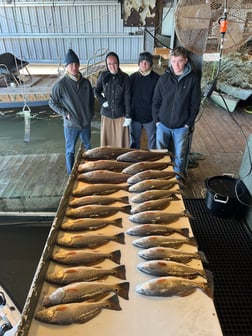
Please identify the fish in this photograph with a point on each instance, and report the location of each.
(156, 229)
(137, 167)
(166, 267)
(163, 241)
(105, 153)
(139, 155)
(167, 253)
(150, 195)
(81, 312)
(68, 275)
(153, 184)
(94, 210)
(174, 286)
(112, 165)
(152, 174)
(84, 239)
(97, 199)
(103, 176)
(159, 217)
(85, 291)
(89, 223)
(83, 257)
(158, 204)
(97, 189)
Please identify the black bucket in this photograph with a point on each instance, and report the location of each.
(226, 196)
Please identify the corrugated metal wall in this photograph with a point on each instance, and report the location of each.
(42, 31)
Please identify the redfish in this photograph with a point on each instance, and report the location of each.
(152, 174)
(174, 286)
(66, 276)
(164, 267)
(156, 216)
(153, 184)
(97, 199)
(81, 312)
(85, 291)
(112, 165)
(137, 167)
(155, 195)
(103, 176)
(97, 189)
(84, 239)
(78, 224)
(142, 155)
(151, 205)
(105, 153)
(163, 241)
(156, 229)
(167, 253)
(83, 257)
(96, 211)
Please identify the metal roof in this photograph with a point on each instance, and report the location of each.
(42, 31)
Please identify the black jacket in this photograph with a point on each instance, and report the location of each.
(142, 89)
(115, 89)
(176, 101)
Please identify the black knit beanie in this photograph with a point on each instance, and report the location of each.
(111, 53)
(145, 56)
(71, 57)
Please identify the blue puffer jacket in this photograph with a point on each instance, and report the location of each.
(115, 89)
(75, 98)
(176, 100)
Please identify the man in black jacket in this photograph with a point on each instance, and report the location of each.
(142, 85)
(176, 103)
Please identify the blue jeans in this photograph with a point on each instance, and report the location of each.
(176, 140)
(136, 132)
(71, 136)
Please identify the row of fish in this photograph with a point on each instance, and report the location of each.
(82, 290)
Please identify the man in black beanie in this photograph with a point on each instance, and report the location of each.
(142, 88)
(72, 97)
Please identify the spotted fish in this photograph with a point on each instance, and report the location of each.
(105, 153)
(94, 210)
(112, 165)
(156, 216)
(103, 176)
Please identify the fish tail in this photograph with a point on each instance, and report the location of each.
(113, 303)
(175, 197)
(116, 256)
(123, 290)
(184, 232)
(201, 255)
(120, 238)
(126, 209)
(118, 222)
(209, 285)
(187, 214)
(124, 199)
(120, 272)
(193, 242)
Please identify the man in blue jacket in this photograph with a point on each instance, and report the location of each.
(176, 103)
(72, 97)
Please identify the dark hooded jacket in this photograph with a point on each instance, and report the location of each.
(176, 100)
(115, 89)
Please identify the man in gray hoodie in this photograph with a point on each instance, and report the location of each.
(72, 97)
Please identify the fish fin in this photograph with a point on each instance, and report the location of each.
(123, 290)
(186, 292)
(184, 232)
(193, 241)
(113, 303)
(116, 256)
(124, 199)
(202, 257)
(126, 209)
(187, 214)
(175, 197)
(120, 238)
(120, 272)
(118, 222)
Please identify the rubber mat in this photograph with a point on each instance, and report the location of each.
(227, 244)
